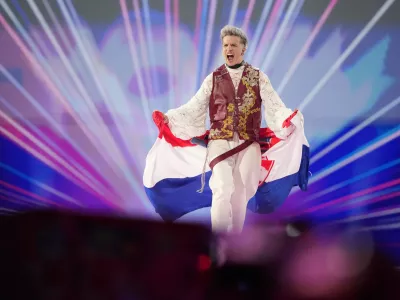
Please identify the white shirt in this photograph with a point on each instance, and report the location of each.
(189, 120)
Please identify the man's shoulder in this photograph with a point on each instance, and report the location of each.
(260, 72)
(253, 67)
(219, 69)
(209, 79)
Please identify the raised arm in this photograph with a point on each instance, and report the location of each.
(189, 120)
(275, 111)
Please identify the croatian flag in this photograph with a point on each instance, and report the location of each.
(172, 175)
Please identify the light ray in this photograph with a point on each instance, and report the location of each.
(170, 59)
(197, 39)
(355, 130)
(198, 22)
(345, 183)
(259, 29)
(44, 53)
(23, 200)
(150, 43)
(135, 64)
(57, 24)
(83, 92)
(34, 34)
(369, 199)
(52, 154)
(41, 185)
(354, 195)
(291, 23)
(281, 31)
(21, 12)
(49, 119)
(38, 69)
(7, 211)
(317, 88)
(376, 214)
(30, 194)
(201, 41)
(362, 151)
(142, 46)
(176, 41)
(209, 34)
(365, 200)
(382, 227)
(92, 69)
(55, 147)
(306, 47)
(247, 16)
(269, 29)
(232, 14)
(40, 65)
(104, 135)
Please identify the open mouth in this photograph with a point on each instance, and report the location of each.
(229, 57)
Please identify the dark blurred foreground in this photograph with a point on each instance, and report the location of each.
(47, 255)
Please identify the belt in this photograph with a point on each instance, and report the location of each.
(230, 153)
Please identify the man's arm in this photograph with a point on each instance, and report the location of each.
(275, 111)
(189, 120)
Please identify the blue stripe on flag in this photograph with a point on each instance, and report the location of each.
(173, 198)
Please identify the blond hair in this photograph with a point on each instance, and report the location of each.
(229, 30)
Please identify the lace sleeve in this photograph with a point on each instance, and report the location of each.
(274, 109)
(189, 120)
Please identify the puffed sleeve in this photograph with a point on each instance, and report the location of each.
(275, 111)
(189, 120)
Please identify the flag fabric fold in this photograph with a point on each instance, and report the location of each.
(173, 170)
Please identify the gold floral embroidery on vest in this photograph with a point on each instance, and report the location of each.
(252, 77)
(224, 132)
(248, 100)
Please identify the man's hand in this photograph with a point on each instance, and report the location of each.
(286, 123)
(165, 118)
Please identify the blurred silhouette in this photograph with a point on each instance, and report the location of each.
(47, 255)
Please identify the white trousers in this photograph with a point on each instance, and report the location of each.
(234, 181)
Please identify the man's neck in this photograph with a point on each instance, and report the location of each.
(236, 66)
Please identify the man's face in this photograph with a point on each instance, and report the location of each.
(232, 50)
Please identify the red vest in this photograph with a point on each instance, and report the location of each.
(235, 112)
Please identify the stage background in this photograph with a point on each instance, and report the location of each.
(79, 80)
